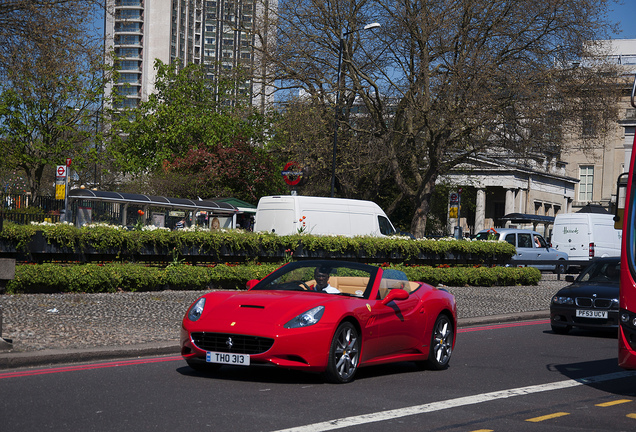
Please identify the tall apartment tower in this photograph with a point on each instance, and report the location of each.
(216, 33)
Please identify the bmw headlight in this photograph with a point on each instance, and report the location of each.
(562, 300)
(196, 309)
(305, 319)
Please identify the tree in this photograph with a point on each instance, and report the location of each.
(196, 138)
(50, 94)
(443, 80)
(26, 21)
(239, 170)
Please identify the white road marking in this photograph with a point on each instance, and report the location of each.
(453, 403)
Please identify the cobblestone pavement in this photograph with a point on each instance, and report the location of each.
(62, 321)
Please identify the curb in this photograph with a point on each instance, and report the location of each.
(15, 360)
(496, 319)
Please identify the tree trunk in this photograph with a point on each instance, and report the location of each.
(418, 224)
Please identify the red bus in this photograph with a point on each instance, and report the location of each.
(625, 219)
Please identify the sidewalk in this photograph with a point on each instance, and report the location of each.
(64, 328)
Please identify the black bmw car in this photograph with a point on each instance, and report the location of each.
(591, 302)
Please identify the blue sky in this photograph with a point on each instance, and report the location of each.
(625, 15)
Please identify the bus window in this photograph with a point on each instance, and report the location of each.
(621, 191)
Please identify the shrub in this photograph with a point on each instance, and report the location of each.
(31, 278)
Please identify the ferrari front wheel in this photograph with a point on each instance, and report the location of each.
(344, 354)
(441, 343)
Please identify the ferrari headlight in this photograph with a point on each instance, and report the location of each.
(305, 319)
(562, 300)
(196, 309)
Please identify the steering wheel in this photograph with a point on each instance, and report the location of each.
(305, 286)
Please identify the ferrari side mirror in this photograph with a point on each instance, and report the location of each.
(395, 294)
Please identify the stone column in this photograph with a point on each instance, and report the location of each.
(480, 210)
(509, 206)
(521, 204)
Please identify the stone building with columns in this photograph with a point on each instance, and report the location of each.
(546, 185)
(504, 186)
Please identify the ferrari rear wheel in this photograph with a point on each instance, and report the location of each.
(344, 354)
(441, 343)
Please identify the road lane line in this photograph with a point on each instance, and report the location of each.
(454, 403)
(547, 417)
(612, 403)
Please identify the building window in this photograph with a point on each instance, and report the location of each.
(586, 182)
(127, 26)
(132, 14)
(127, 39)
(128, 78)
(127, 65)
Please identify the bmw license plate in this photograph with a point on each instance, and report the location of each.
(227, 358)
(586, 313)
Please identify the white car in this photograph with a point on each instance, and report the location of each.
(530, 245)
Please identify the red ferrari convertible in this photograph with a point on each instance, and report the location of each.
(325, 316)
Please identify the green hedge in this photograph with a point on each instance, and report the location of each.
(92, 278)
(121, 242)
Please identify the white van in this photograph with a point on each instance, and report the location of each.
(584, 236)
(293, 214)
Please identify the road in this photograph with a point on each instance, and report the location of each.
(516, 376)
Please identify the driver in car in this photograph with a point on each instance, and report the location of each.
(321, 274)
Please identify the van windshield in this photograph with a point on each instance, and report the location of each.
(385, 226)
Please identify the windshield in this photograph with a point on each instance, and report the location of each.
(331, 277)
(487, 235)
(602, 271)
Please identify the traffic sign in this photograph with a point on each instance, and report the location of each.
(292, 173)
(454, 198)
(61, 170)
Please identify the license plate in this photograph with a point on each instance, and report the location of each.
(586, 313)
(227, 358)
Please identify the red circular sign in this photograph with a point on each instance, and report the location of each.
(292, 173)
(61, 171)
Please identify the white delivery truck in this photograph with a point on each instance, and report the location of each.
(293, 214)
(584, 236)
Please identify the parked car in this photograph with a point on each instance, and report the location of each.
(363, 315)
(591, 302)
(530, 245)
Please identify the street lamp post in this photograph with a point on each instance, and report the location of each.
(337, 115)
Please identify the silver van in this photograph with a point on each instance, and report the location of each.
(530, 245)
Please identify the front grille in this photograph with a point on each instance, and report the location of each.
(231, 343)
(599, 303)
